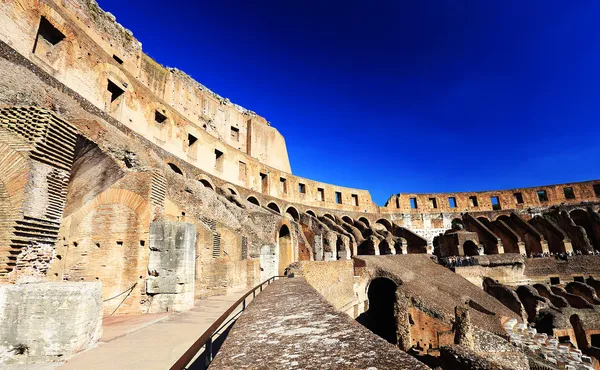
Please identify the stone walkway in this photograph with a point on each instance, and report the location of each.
(157, 345)
(291, 326)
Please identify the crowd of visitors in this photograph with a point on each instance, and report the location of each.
(459, 261)
(563, 255)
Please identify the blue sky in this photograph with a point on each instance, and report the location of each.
(400, 96)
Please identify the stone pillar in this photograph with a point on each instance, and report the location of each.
(402, 313)
(318, 247)
(171, 266)
(545, 248)
(463, 334)
(376, 246)
(522, 250)
(568, 246)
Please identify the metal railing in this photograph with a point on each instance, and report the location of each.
(206, 339)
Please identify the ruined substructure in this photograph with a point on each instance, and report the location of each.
(128, 188)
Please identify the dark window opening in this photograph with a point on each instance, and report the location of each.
(413, 203)
(159, 117)
(569, 193)
(473, 201)
(117, 59)
(235, 133)
(48, 32)
(595, 339)
(597, 190)
(264, 182)
(175, 169)
(302, 188)
(579, 279)
(338, 197)
(564, 339)
(321, 194)
(283, 183)
(519, 198)
(433, 202)
(219, 160)
(452, 202)
(542, 195)
(554, 280)
(192, 139)
(355, 200)
(115, 91)
(495, 203)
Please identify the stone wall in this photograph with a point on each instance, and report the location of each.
(334, 280)
(48, 321)
(171, 266)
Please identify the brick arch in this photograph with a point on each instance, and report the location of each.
(329, 216)
(271, 204)
(310, 212)
(175, 167)
(292, 211)
(385, 223)
(348, 219)
(232, 187)
(284, 238)
(206, 181)
(129, 199)
(254, 200)
(365, 221)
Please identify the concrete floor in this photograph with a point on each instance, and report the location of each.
(150, 341)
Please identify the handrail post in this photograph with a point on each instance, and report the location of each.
(244, 305)
(208, 351)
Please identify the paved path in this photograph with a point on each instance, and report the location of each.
(156, 346)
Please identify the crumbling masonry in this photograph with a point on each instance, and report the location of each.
(135, 185)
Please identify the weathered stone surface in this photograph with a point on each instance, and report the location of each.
(290, 326)
(48, 321)
(171, 266)
(505, 295)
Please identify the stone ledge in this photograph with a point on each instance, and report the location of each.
(291, 326)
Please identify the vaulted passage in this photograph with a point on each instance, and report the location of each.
(380, 317)
(286, 254)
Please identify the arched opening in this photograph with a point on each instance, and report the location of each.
(364, 221)
(380, 318)
(284, 243)
(309, 212)
(206, 184)
(175, 169)
(341, 250)
(470, 248)
(293, 212)
(254, 201)
(232, 191)
(366, 248)
(384, 247)
(583, 219)
(348, 220)
(484, 221)
(273, 206)
(329, 216)
(386, 223)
